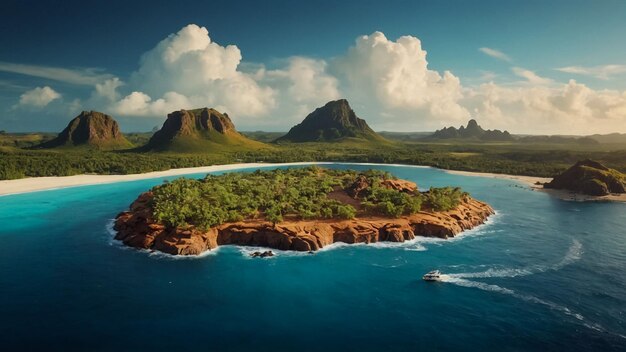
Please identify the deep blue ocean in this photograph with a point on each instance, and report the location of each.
(543, 274)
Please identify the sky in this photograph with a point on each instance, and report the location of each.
(538, 67)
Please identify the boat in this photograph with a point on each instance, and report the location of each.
(434, 275)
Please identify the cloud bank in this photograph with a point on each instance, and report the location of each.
(388, 82)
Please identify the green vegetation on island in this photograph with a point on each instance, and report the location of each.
(297, 193)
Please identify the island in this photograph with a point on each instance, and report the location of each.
(592, 179)
(299, 209)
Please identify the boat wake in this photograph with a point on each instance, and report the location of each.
(503, 290)
(574, 253)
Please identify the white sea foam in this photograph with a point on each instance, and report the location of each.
(574, 253)
(503, 290)
(247, 251)
(415, 245)
(151, 253)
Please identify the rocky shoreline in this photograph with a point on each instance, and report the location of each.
(137, 228)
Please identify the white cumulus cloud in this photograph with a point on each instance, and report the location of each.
(39, 97)
(560, 108)
(394, 76)
(301, 86)
(188, 70)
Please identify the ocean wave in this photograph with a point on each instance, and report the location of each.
(418, 244)
(247, 251)
(528, 298)
(480, 230)
(151, 253)
(573, 254)
(503, 290)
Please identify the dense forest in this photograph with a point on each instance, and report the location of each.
(512, 158)
(301, 193)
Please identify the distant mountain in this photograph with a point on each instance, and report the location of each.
(262, 136)
(609, 138)
(558, 140)
(472, 131)
(90, 129)
(590, 177)
(404, 136)
(199, 130)
(334, 121)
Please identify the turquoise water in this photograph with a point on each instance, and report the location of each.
(543, 274)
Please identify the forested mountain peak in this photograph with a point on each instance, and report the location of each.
(334, 121)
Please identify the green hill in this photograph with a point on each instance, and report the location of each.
(335, 121)
(590, 177)
(90, 129)
(200, 130)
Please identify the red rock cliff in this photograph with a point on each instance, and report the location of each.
(136, 228)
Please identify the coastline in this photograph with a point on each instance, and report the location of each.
(35, 184)
(528, 180)
(531, 181)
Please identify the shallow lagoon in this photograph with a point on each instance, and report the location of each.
(543, 274)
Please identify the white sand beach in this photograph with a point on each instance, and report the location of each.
(536, 184)
(33, 184)
(528, 180)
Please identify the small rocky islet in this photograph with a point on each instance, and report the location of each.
(299, 209)
(591, 178)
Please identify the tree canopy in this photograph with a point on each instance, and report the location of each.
(299, 193)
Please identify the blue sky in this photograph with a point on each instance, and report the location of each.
(107, 39)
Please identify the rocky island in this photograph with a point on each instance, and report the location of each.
(590, 178)
(300, 209)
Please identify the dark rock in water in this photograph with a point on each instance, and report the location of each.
(265, 254)
(334, 121)
(590, 177)
(90, 128)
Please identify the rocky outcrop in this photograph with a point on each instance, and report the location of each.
(334, 121)
(90, 128)
(591, 178)
(189, 129)
(472, 131)
(361, 184)
(136, 228)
